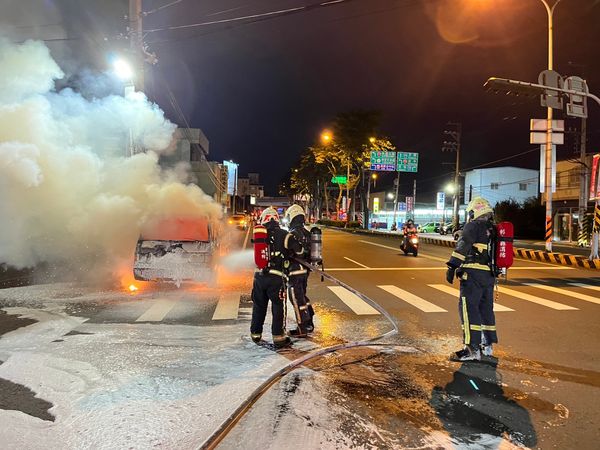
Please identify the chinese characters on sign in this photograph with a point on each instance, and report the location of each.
(383, 161)
(408, 162)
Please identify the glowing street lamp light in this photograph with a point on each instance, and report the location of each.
(326, 137)
(450, 188)
(123, 69)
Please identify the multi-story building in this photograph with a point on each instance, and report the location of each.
(191, 146)
(497, 184)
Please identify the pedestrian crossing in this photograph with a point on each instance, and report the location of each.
(429, 299)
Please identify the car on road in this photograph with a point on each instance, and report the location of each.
(429, 227)
(177, 249)
(239, 220)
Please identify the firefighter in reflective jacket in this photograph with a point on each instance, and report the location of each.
(298, 274)
(269, 280)
(471, 264)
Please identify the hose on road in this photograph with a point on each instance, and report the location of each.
(213, 441)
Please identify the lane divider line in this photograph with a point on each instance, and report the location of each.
(587, 298)
(353, 301)
(412, 299)
(534, 299)
(356, 262)
(456, 294)
(157, 311)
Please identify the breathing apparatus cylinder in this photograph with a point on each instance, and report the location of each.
(316, 245)
(261, 246)
(504, 245)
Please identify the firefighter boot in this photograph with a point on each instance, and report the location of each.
(281, 341)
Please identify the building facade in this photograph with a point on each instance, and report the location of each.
(497, 184)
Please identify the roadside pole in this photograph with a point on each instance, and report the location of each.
(583, 182)
(136, 42)
(396, 197)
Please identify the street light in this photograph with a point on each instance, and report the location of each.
(390, 195)
(122, 69)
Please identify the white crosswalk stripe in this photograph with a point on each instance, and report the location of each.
(578, 295)
(227, 307)
(353, 301)
(586, 286)
(412, 299)
(534, 299)
(456, 293)
(157, 311)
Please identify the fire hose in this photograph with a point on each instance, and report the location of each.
(213, 440)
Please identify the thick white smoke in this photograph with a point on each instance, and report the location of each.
(68, 194)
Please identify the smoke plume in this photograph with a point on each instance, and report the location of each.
(68, 193)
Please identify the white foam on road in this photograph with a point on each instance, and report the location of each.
(157, 312)
(227, 307)
(534, 299)
(456, 294)
(353, 301)
(412, 299)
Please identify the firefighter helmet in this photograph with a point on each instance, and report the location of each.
(267, 215)
(294, 211)
(478, 207)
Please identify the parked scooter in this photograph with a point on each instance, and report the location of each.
(410, 244)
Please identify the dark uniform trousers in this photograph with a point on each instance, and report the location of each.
(297, 285)
(476, 307)
(267, 287)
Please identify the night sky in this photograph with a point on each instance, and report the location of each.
(262, 90)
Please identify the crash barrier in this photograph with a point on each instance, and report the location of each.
(563, 259)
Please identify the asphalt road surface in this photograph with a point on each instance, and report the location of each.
(541, 391)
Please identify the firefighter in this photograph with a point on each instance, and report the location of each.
(471, 263)
(298, 274)
(269, 280)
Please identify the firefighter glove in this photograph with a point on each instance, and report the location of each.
(450, 274)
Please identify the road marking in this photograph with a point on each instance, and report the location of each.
(353, 301)
(397, 249)
(157, 312)
(586, 286)
(444, 268)
(412, 299)
(534, 299)
(587, 298)
(246, 238)
(356, 262)
(227, 307)
(456, 294)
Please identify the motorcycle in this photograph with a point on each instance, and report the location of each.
(410, 244)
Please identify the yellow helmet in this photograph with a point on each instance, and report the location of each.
(478, 207)
(293, 211)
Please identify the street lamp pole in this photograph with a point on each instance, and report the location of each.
(548, 156)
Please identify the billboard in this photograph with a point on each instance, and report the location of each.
(440, 202)
(595, 181)
(232, 171)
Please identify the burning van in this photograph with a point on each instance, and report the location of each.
(179, 249)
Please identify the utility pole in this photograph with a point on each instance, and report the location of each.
(136, 42)
(583, 191)
(414, 203)
(454, 146)
(396, 196)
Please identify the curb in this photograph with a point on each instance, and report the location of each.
(563, 259)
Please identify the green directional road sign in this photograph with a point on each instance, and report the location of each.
(384, 161)
(408, 162)
(339, 179)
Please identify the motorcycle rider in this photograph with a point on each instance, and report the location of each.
(407, 230)
(298, 274)
(470, 262)
(269, 282)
